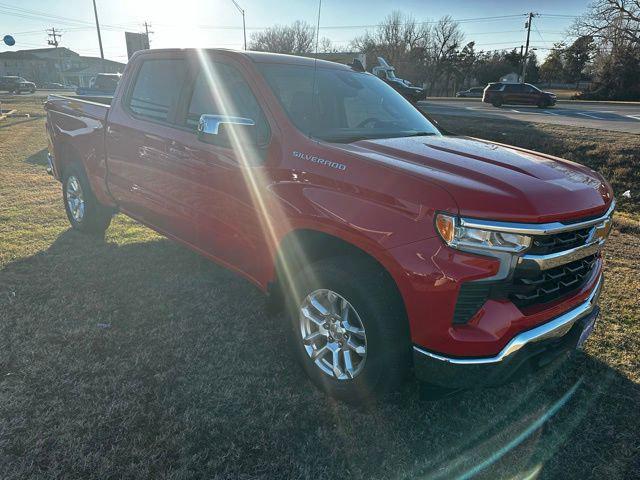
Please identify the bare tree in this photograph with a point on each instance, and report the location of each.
(612, 20)
(615, 27)
(327, 46)
(297, 38)
(400, 39)
(445, 41)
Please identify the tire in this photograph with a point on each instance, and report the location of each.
(83, 210)
(374, 305)
(496, 102)
(543, 104)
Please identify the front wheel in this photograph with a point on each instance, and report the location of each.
(349, 329)
(543, 104)
(83, 210)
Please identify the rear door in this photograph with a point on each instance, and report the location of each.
(145, 173)
(510, 93)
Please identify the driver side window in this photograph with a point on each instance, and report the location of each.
(221, 90)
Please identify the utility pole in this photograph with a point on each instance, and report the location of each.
(147, 32)
(244, 27)
(526, 48)
(95, 11)
(55, 35)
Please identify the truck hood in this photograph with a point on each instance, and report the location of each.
(495, 181)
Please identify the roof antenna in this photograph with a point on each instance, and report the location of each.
(315, 65)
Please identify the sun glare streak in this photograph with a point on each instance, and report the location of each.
(274, 221)
(514, 443)
(254, 178)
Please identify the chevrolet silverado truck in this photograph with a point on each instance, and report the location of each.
(391, 246)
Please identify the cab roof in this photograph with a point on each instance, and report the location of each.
(261, 57)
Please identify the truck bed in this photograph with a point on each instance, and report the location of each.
(77, 127)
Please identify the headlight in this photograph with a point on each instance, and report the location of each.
(458, 236)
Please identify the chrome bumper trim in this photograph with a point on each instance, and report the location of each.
(535, 228)
(545, 262)
(555, 328)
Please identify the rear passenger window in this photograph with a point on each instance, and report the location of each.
(157, 87)
(513, 88)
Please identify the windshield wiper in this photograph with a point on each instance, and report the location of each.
(418, 134)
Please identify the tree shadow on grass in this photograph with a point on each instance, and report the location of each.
(145, 360)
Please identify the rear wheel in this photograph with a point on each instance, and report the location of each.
(83, 210)
(351, 337)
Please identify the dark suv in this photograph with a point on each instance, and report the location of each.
(498, 94)
(13, 84)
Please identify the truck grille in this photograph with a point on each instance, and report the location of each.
(546, 244)
(531, 288)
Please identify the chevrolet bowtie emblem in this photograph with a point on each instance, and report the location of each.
(601, 232)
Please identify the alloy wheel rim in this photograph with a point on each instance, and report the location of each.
(333, 334)
(75, 199)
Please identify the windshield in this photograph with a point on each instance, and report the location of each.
(347, 105)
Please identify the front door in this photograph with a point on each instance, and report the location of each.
(226, 173)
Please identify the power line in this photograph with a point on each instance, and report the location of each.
(39, 15)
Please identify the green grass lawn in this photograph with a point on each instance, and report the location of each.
(132, 357)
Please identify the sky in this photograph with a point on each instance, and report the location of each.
(217, 23)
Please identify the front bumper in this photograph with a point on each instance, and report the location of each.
(527, 350)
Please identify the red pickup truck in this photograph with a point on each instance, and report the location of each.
(391, 245)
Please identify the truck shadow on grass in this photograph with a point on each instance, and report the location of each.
(38, 158)
(145, 360)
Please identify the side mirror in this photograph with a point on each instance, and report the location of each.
(215, 128)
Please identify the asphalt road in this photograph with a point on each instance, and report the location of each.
(622, 117)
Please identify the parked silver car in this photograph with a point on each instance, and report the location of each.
(474, 92)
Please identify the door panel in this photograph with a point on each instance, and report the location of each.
(226, 180)
(145, 174)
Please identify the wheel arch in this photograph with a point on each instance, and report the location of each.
(303, 246)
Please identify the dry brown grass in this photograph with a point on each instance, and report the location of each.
(190, 378)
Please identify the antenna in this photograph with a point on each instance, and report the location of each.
(315, 63)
